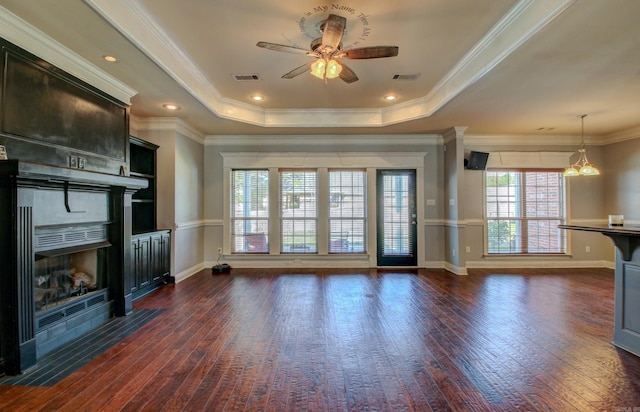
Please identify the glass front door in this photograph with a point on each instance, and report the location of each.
(396, 217)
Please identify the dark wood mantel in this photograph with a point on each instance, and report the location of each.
(627, 282)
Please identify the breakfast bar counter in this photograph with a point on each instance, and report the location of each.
(627, 282)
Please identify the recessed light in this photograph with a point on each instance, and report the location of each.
(257, 97)
(170, 106)
(110, 59)
(390, 97)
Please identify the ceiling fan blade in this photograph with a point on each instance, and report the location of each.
(347, 75)
(281, 47)
(298, 71)
(332, 32)
(373, 52)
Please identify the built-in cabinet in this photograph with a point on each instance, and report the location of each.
(142, 157)
(151, 261)
(150, 248)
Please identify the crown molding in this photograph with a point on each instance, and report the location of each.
(323, 140)
(623, 135)
(518, 25)
(173, 124)
(323, 159)
(527, 140)
(26, 36)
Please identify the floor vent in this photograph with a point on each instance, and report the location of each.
(246, 77)
(405, 76)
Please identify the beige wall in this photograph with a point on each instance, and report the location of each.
(622, 181)
(193, 197)
(180, 195)
(585, 205)
(431, 226)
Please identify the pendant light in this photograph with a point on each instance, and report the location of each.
(582, 167)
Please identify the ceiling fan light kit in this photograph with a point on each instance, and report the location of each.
(327, 50)
(324, 69)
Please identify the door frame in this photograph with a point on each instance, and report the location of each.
(398, 260)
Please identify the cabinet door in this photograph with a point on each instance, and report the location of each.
(156, 258)
(165, 261)
(134, 265)
(143, 277)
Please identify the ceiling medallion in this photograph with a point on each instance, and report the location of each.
(310, 24)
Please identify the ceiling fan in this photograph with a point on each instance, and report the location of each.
(327, 49)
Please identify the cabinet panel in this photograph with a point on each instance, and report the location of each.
(165, 258)
(151, 261)
(141, 263)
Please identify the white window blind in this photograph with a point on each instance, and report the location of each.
(347, 211)
(298, 210)
(249, 211)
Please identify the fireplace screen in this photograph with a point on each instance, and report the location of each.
(61, 278)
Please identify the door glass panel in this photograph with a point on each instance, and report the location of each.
(396, 218)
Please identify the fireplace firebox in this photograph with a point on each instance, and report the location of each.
(60, 279)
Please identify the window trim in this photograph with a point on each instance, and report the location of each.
(370, 161)
(565, 218)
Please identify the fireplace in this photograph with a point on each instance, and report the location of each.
(65, 256)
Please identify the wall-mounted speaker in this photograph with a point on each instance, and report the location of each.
(476, 161)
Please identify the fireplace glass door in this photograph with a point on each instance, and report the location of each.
(61, 278)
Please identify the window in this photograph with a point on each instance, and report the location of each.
(249, 211)
(347, 211)
(298, 211)
(523, 211)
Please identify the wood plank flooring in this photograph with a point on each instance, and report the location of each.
(359, 340)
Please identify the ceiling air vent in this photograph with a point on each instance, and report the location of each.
(246, 77)
(405, 76)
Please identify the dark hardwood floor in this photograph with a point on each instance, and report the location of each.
(358, 340)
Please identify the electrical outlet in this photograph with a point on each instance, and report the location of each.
(219, 250)
(587, 249)
(468, 249)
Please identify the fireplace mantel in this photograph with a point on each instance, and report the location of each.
(47, 173)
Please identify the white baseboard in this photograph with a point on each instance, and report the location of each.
(458, 270)
(188, 272)
(526, 264)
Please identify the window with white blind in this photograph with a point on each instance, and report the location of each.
(347, 211)
(298, 211)
(249, 211)
(523, 211)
